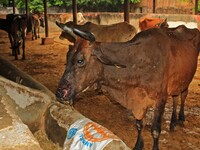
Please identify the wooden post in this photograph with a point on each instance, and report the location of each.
(154, 6)
(45, 19)
(46, 40)
(13, 6)
(74, 8)
(196, 7)
(126, 10)
(27, 9)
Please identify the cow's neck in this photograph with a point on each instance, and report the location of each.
(115, 84)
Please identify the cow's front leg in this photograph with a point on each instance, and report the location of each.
(139, 144)
(156, 127)
(38, 32)
(32, 33)
(35, 34)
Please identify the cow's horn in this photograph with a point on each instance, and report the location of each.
(66, 29)
(85, 34)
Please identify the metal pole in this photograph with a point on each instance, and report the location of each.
(126, 10)
(74, 5)
(46, 19)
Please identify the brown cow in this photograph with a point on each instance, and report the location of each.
(138, 74)
(119, 32)
(37, 20)
(147, 23)
(69, 17)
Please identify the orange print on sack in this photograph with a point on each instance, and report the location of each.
(103, 132)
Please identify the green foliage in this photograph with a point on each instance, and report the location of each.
(36, 5)
(131, 1)
(199, 7)
(85, 5)
(4, 3)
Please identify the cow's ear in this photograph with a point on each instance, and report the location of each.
(163, 24)
(105, 59)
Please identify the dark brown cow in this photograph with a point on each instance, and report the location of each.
(119, 32)
(15, 26)
(138, 74)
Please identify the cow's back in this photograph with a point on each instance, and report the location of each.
(119, 32)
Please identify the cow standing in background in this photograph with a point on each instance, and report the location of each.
(37, 20)
(69, 17)
(119, 32)
(138, 74)
(147, 23)
(15, 25)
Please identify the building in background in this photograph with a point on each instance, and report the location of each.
(165, 6)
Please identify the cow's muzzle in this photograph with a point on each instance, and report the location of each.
(64, 93)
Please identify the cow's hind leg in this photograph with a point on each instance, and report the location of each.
(181, 113)
(139, 144)
(174, 115)
(156, 126)
(11, 41)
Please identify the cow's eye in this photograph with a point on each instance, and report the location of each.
(80, 62)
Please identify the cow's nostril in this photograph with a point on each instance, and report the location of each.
(58, 94)
(62, 93)
(65, 92)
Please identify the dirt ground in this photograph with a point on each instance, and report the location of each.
(46, 64)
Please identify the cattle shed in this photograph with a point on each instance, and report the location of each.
(106, 18)
(22, 122)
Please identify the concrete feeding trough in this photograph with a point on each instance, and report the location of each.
(26, 106)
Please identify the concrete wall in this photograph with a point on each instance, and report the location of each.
(110, 18)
